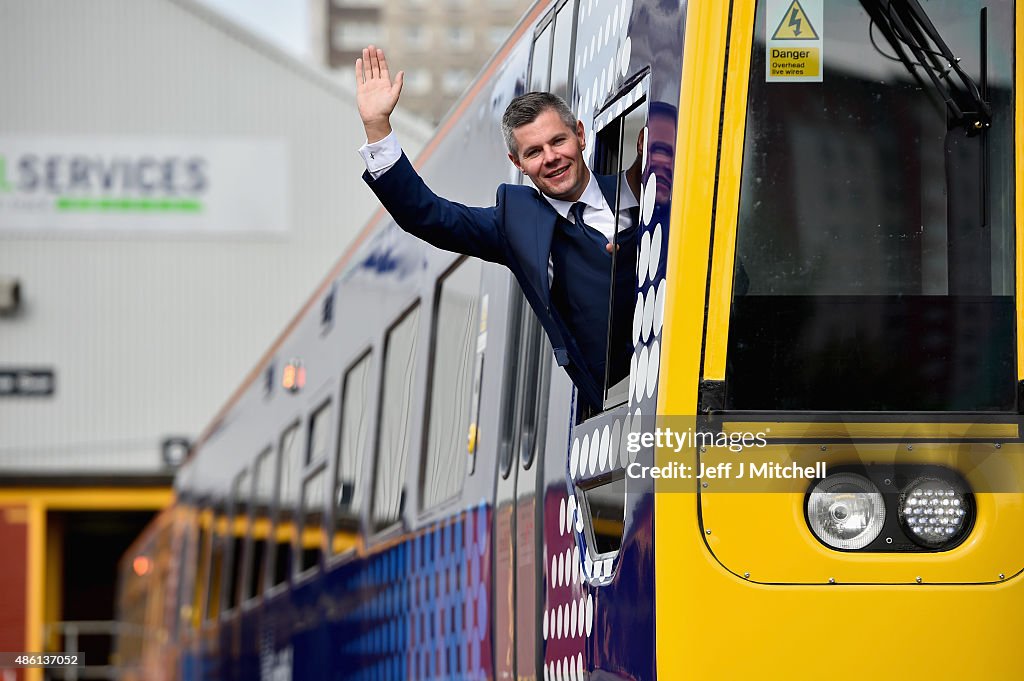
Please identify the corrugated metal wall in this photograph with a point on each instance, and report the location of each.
(149, 335)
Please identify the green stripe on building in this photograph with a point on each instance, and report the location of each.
(73, 205)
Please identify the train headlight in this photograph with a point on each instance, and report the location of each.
(845, 511)
(934, 512)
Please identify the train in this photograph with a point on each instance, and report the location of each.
(814, 467)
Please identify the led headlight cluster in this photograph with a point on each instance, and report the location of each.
(933, 511)
(845, 511)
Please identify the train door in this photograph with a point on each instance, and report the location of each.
(518, 517)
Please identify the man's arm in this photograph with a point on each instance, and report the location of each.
(445, 224)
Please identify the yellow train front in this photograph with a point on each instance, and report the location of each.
(846, 240)
(814, 466)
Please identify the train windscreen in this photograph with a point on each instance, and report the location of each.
(874, 264)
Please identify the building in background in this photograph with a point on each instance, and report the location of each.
(172, 191)
(440, 44)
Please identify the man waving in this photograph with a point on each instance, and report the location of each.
(556, 239)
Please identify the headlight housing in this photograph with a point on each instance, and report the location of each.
(934, 512)
(845, 511)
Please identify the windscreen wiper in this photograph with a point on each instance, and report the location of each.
(919, 46)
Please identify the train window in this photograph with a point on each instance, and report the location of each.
(319, 434)
(619, 150)
(874, 266)
(238, 530)
(202, 564)
(218, 546)
(395, 423)
(184, 527)
(534, 385)
(263, 498)
(312, 514)
(449, 421)
(561, 55)
(539, 68)
(311, 532)
(290, 464)
(605, 504)
(356, 398)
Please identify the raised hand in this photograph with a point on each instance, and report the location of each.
(376, 94)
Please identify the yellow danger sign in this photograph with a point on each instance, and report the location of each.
(795, 52)
(795, 25)
(794, 63)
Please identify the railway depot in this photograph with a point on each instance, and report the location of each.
(417, 480)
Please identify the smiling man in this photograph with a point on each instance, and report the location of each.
(556, 239)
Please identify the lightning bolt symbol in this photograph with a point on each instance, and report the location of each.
(794, 20)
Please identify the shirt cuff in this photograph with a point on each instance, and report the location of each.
(381, 155)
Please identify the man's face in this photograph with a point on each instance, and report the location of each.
(662, 131)
(551, 155)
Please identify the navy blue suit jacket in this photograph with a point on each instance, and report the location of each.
(515, 232)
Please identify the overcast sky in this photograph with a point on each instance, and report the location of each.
(284, 22)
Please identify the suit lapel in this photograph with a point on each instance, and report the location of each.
(545, 218)
(533, 230)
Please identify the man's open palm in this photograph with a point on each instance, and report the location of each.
(376, 94)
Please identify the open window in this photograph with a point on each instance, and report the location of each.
(618, 151)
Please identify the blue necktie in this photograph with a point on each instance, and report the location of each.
(576, 211)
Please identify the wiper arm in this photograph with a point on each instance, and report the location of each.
(905, 23)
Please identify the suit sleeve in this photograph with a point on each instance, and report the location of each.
(446, 224)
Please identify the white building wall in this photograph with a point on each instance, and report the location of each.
(150, 334)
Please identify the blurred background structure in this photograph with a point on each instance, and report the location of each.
(172, 189)
(440, 44)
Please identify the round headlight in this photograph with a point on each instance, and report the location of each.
(845, 511)
(934, 512)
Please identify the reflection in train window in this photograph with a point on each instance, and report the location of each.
(354, 430)
(395, 423)
(238, 526)
(263, 497)
(456, 326)
(605, 506)
(284, 531)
